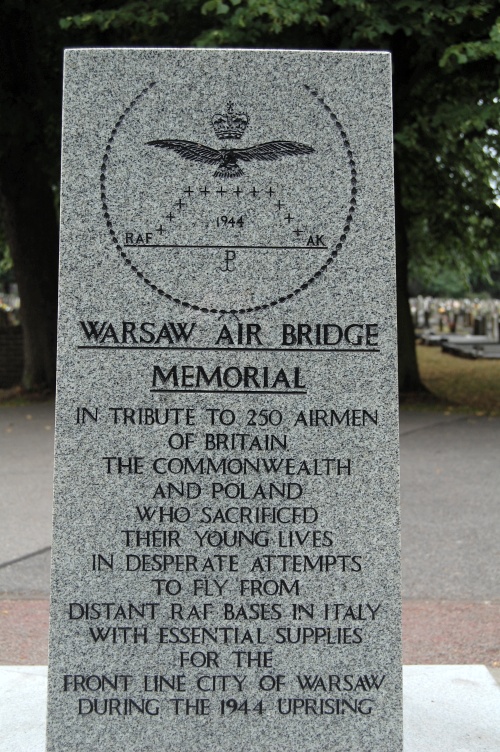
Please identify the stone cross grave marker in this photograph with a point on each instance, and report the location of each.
(226, 529)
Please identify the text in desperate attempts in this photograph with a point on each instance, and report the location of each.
(226, 530)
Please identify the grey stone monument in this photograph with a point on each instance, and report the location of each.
(226, 529)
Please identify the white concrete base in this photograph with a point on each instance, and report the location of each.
(450, 709)
(23, 700)
(446, 709)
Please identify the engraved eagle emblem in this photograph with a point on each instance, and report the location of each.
(227, 159)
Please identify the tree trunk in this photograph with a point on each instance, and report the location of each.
(28, 210)
(32, 235)
(409, 376)
(408, 373)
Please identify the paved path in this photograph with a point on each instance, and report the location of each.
(26, 464)
(450, 512)
(450, 481)
(450, 493)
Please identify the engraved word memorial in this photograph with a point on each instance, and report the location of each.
(226, 526)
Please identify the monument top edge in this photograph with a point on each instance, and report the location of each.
(223, 50)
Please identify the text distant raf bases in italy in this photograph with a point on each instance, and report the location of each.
(226, 525)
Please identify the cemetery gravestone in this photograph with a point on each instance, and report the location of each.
(226, 530)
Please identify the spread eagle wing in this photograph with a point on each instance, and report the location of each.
(272, 150)
(189, 150)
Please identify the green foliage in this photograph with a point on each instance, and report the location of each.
(253, 22)
(448, 142)
(446, 65)
(432, 278)
(136, 13)
(466, 52)
(136, 22)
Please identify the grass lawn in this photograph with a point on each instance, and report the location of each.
(459, 384)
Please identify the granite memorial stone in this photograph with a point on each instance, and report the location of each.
(226, 530)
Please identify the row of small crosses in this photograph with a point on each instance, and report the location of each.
(237, 191)
(254, 192)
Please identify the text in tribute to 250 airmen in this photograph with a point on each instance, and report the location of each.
(226, 526)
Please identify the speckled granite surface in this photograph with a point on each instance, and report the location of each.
(448, 708)
(226, 528)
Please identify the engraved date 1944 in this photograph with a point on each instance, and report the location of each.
(228, 707)
(225, 221)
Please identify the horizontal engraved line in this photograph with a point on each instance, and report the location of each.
(232, 391)
(228, 349)
(238, 247)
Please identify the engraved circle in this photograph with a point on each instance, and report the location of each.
(338, 246)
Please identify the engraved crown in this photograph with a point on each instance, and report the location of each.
(231, 124)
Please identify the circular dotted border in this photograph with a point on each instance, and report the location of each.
(347, 222)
